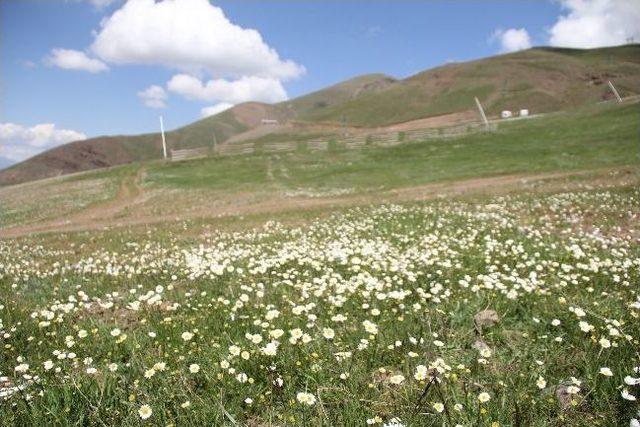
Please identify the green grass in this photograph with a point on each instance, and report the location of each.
(420, 272)
(595, 137)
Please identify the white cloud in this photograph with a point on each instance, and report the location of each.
(244, 89)
(154, 97)
(18, 142)
(101, 4)
(215, 109)
(75, 60)
(594, 23)
(512, 40)
(189, 35)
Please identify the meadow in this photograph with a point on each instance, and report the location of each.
(511, 310)
(486, 280)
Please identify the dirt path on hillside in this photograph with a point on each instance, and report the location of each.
(126, 208)
(129, 193)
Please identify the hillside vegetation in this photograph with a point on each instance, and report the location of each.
(591, 137)
(594, 140)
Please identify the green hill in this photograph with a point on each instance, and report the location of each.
(540, 79)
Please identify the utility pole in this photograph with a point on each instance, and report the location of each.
(164, 143)
(615, 92)
(484, 117)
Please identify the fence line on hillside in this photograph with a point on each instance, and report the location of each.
(382, 139)
(190, 153)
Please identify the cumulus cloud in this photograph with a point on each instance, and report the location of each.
(594, 23)
(154, 97)
(251, 88)
(215, 109)
(18, 142)
(513, 39)
(75, 60)
(189, 35)
(195, 38)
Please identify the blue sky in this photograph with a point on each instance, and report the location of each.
(93, 86)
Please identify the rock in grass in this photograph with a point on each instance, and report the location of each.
(481, 345)
(486, 318)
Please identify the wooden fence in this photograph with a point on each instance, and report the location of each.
(191, 153)
(383, 139)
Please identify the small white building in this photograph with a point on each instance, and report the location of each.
(524, 112)
(506, 114)
(269, 122)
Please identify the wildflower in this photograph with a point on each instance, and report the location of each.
(394, 422)
(541, 383)
(627, 396)
(185, 405)
(606, 372)
(22, 368)
(145, 411)
(194, 368)
(484, 397)
(48, 365)
(306, 398)
(629, 380)
(370, 327)
(438, 407)
(585, 327)
(328, 333)
(604, 343)
(270, 349)
(115, 332)
(396, 379)
(186, 336)
(572, 389)
(112, 367)
(421, 373)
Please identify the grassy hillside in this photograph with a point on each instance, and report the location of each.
(540, 79)
(307, 105)
(594, 140)
(591, 137)
(108, 151)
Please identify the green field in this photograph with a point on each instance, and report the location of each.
(369, 311)
(277, 290)
(594, 137)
